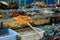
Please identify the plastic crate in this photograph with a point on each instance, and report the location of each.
(29, 35)
(12, 35)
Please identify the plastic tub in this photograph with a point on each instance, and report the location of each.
(10, 34)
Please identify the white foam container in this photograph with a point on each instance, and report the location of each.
(31, 35)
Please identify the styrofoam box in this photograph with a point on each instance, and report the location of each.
(31, 35)
(12, 35)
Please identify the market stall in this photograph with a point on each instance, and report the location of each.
(30, 20)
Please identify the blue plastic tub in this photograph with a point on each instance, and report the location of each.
(12, 35)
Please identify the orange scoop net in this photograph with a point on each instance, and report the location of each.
(23, 19)
(27, 20)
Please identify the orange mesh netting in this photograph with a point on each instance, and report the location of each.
(23, 19)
